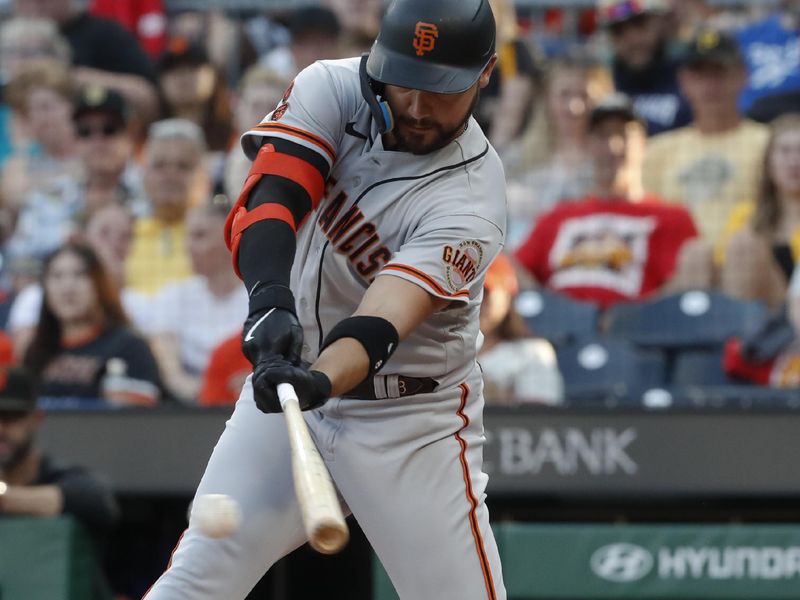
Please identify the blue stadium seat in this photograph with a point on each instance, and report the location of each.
(699, 367)
(555, 316)
(693, 319)
(609, 372)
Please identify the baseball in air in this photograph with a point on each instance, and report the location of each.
(217, 515)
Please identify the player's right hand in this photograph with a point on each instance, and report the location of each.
(270, 335)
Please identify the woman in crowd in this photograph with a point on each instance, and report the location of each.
(83, 346)
(23, 40)
(193, 88)
(550, 162)
(41, 194)
(764, 235)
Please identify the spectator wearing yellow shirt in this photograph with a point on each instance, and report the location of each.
(714, 162)
(764, 237)
(173, 180)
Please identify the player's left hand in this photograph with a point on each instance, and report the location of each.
(313, 387)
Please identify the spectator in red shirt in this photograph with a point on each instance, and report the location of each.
(227, 369)
(611, 245)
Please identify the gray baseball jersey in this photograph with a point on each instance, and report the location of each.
(408, 466)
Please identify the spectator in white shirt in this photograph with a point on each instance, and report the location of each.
(191, 317)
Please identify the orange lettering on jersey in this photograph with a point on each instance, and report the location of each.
(346, 223)
(366, 230)
(350, 234)
(331, 211)
(425, 36)
(462, 263)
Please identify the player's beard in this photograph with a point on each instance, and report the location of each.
(415, 143)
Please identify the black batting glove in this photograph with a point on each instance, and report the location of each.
(272, 332)
(313, 388)
(270, 335)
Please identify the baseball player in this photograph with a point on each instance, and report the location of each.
(372, 210)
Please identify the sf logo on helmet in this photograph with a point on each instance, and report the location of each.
(425, 37)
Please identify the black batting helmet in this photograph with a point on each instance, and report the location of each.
(433, 45)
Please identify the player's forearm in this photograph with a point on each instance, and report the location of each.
(346, 364)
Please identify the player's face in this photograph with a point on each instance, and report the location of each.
(16, 437)
(426, 121)
(69, 291)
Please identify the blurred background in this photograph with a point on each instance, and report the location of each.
(641, 356)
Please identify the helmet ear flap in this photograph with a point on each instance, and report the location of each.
(372, 90)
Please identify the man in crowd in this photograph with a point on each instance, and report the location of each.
(174, 179)
(33, 483)
(713, 163)
(605, 247)
(106, 146)
(642, 68)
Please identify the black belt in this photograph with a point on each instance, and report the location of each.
(380, 387)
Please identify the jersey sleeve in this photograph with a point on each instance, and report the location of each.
(311, 113)
(448, 256)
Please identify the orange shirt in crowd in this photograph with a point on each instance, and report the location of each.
(226, 372)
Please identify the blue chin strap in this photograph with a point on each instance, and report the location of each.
(381, 112)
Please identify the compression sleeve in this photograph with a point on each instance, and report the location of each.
(284, 186)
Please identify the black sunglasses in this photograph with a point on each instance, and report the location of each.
(107, 130)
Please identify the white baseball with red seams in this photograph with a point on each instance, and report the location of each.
(408, 467)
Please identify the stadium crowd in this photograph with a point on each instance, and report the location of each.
(652, 153)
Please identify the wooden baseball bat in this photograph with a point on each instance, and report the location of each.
(322, 515)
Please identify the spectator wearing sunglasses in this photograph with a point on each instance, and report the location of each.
(105, 145)
(642, 68)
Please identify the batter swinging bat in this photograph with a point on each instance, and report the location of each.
(322, 516)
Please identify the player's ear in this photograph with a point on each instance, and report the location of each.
(483, 80)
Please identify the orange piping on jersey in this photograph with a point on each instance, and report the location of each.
(304, 174)
(310, 137)
(169, 564)
(473, 501)
(427, 279)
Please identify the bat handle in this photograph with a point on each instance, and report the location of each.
(286, 394)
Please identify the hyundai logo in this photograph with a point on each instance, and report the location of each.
(621, 563)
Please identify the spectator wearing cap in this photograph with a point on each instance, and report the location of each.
(103, 52)
(314, 33)
(770, 49)
(174, 180)
(35, 484)
(192, 88)
(642, 67)
(192, 317)
(713, 163)
(516, 368)
(106, 146)
(614, 244)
